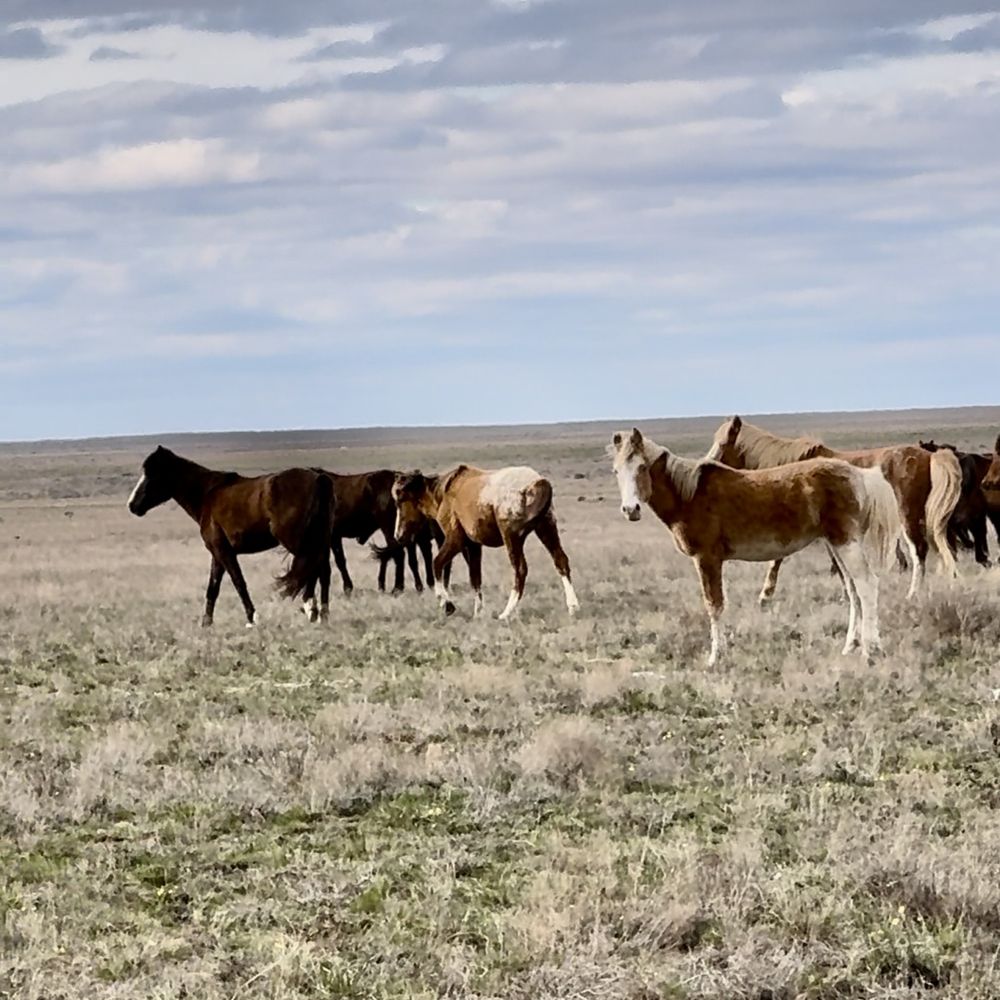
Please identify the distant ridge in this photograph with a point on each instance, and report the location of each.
(825, 424)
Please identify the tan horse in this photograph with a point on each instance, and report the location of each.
(476, 507)
(927, 486)
(716, 513)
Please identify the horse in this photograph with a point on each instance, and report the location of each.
(717, 513)
(927, 485)
(990, 485)
(363, 506)
(477, 507)
(969, 519)
(239, 515)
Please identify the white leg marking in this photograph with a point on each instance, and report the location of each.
(442, 592)
(310, 609)
(511, 604)
(572, 604)
(253, 621)
(477, 607)
(718, 643)
(135, 489)
(917, 571)
(850, 591)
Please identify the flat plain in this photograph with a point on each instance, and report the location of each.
(398, 805)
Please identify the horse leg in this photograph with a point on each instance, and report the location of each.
(337, 547)
(515, 552)
(426, 546)
(224, 552)
(770, 582)
(979, 540)
(398, 557)
(411, 558)
(453, 544)
(710, 573)
(212, 591)
(548, 535)
(324, 590)
(473, 553)
(853, 601)
(866, 582)
(917, 547)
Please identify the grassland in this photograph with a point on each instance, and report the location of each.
(395, 805)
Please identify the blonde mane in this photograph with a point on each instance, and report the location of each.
(684, 473)
(763, 450)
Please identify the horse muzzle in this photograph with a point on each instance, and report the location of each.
(632, 513)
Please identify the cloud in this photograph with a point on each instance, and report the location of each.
(178, 163)
(26, 43)
(472, 187)
(105, 52)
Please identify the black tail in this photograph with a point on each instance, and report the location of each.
(313, 550)
(383, 553)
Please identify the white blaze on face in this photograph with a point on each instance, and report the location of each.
(135, 489)
(626, 473)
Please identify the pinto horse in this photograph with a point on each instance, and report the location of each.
(476, 507)
(716, 513)
(239, 515)
(927, 486)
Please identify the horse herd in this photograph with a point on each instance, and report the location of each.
(754, 497)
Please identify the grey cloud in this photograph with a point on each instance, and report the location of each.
(110, 53)
(26, 43)
(984, 38)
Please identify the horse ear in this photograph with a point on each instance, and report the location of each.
(616, 440)
(636, 439)
(736, 424)
(996, 445)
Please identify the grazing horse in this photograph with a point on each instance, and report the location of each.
(475, 507)
(363, 506)
(238, 515)
(969, 519)
(927, 486)
(716, 513)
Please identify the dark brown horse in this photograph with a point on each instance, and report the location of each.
(968, 521)
(990, 485)
(238, 515)
(364, 506)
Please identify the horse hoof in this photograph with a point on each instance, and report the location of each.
(206, 622)
(449, 608)
(418, 587)
(396, 591)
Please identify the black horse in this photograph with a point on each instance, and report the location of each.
(238, 515)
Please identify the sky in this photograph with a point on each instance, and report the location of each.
(221, 215)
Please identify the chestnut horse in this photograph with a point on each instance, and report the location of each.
(990, 484)
(927, 486)
(716, 513)
(239, 515)
(475, 507)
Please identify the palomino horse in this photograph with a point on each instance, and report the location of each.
(969, 519)
(716, 513)
(475, 507)
(363, 506)
(238, 515)
(927, 486)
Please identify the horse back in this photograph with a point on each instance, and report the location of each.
(488, 503)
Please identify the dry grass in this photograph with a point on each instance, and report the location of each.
(400, 806)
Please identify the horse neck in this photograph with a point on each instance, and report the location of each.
(192, 484)
(433, 495)
(665, 500)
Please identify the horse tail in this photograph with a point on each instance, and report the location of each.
(945, 492)
(313, 548)
(537, 499)
(383, 553)
(882, 523)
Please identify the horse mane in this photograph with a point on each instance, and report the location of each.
(447, 478)
(763, 450)
(684, 473)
